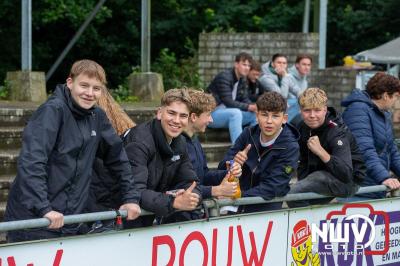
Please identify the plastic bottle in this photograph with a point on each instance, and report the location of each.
(233, 178)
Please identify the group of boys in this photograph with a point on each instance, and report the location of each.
(162, 166)
(236, 89)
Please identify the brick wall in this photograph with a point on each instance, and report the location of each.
(217, 52)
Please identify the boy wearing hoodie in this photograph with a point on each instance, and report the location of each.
(268, 153)
(330, 163)
(59, 146)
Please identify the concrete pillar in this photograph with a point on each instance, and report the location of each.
(28, 86)
(147, 86)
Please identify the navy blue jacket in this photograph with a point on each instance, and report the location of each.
(372, 129)
(198, 158)
(59, 147)
(266, 175)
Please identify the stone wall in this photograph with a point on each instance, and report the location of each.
(217, 50)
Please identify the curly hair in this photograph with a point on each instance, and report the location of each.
(313, 98)
(201, 102)
(271, 101)
(381, 83)
(176, 95)
(119, 120)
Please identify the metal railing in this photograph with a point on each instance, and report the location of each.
(211, 205)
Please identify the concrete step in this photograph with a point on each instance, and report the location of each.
(8, 161)
(215, 151)
(10, 137)
(215, 135)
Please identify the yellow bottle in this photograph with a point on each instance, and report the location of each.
(233, 178)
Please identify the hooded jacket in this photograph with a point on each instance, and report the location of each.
(59, 146)
(266, 174)
(222, 86)
(346, 162)
(198, 159)
(299, 82)
(372, 128)
(272, 82)
(158, 166)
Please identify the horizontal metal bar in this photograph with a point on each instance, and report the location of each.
(108, 215)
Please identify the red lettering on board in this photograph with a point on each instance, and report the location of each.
(253, 259)
(196, 235)
(230, 244)
(163, 240)
(214, 248)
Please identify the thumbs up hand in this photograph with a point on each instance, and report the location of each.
(188, 200)
(241, 156)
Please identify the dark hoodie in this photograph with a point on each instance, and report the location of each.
(267, 171)
(372, 129)
(59, 146)
(346, 162)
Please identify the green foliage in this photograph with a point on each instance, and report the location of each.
(177, 74)
(113, 37)
(122, 94)
(4, 91)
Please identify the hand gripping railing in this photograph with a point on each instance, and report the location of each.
(212, 205)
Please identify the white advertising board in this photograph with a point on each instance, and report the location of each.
(273, 238)
(244, 240)
(342, 235)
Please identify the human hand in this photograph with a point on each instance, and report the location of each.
(226, 189)
(133, 210)
(281, 71)
(236, 169)
(56, 219)
(175, 193)
(315, 147)
(252, 107)
(392, 183)
(188, 200)
(241, 156)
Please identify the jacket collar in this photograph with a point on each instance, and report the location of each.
(63, 92)
(166, 150)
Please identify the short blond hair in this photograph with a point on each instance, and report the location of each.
(176, 95)
(89, 68)
(201, 102)
(313, 98)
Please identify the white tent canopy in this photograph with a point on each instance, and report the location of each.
(387, 53)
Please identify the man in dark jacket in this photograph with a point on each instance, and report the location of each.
(326, 156)
(59, 147)
(213, 183)
(234, 108)
(268, 153)
(160, 163)
(255, 88)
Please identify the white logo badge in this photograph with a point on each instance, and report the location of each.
(339, 142)
(93, 134)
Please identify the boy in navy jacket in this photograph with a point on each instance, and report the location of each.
(268, 153)
(213, 183)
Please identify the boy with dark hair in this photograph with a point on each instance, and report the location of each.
(268, 153)
(234, 108)
(59, 147)
(160, 163)
(255, 88)
(214, 183)
(330, 163)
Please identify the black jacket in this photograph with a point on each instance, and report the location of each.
(221, 88)
(59, 146)
(346, 161)
(158, 167)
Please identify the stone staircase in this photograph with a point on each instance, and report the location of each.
(13, 118)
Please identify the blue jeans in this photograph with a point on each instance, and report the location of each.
(232, 118)
(293, 109)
